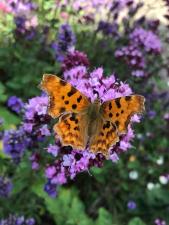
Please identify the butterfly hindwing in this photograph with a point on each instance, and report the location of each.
(63, 96)
(120, 110)
(72, 130)
(105, 137)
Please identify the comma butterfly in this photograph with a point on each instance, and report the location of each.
(82, 122)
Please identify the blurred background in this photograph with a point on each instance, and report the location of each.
(115, 45)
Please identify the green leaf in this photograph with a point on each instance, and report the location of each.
(3, 96)
(104, 218)
(158, 196)
(66, 208)
(136, 221)
(9, 118)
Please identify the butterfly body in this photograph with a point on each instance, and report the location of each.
(82, 121)
(93, 116)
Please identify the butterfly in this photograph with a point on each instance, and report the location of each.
(82, 122)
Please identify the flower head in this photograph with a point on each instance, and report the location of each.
(74, 59)
(17, 220)
(65, 43)
(146, 39)
(15, 143)
(5, 187)
(15, 104)
(131, 205)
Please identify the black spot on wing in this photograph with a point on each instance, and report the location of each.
(117, 123)
(76, 128)
(62, 109)
(106, 125)
(62, 82)
(74, 106)
(117, 101)
(110, 115)
(66, 102)
(73, 117)
(128, 98)
(110, 106)
(101, 133)
(71, 92)
(76, 121)
(113, 127)
(79, 98)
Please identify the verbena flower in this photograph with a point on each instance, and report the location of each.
(15, 143)
(17, 220)
(146, 39)
(74, 59)
(5, 187)
(35, 158)
(71, 161)
(24, 17)
(15, 104)
(134, 58)
(31, 133)
(160, 222)
(65, 42)
(53, 149)
(107, 28)
(131, 205)
(135, 54)
(50, 189)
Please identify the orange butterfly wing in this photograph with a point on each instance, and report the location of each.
(72, 130)
(104, 139)
(69, 104)
(63, 97)
(120, 110)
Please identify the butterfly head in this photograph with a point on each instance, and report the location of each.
(97, 101)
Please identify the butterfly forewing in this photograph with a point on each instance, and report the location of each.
(120, 110)
(63, 97)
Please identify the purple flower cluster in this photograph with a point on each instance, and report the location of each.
(33, 131)
(35, 158)
(71, 161)
(111, 26)
(36, 118)
(25, 20)
(108, 29)
(74, 59)
(15, 143)
(17, 220)
(15, 104)
(134, 58)
(160, 222)
(131, 205)
(146, 39)
(140, 42)
(5, 187)
(65, 42)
